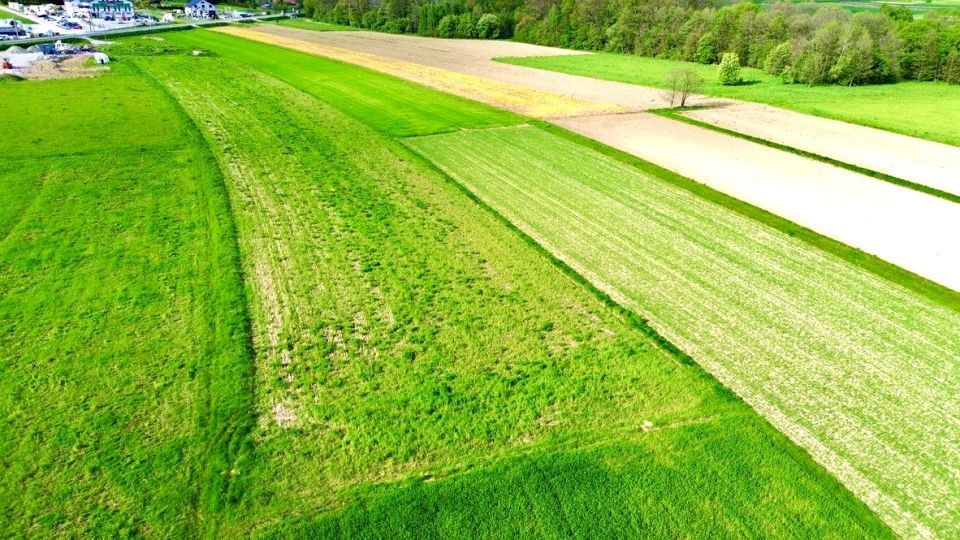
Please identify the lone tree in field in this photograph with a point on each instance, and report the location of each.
(680, 84)
(730, 69)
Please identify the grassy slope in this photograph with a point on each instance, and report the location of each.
(425, 362)
(122, 326)
(772, 306)
(921, 109)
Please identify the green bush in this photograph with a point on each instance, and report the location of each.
(466, 27)
(730, 69)
(447, 27)
(705, 49)
(779, 60)
(488, 27)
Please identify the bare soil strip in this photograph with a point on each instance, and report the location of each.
(923, 162)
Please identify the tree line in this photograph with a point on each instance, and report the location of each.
(805, 43)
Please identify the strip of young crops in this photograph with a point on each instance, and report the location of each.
(412, 350)
(123, 344)
(860, 372)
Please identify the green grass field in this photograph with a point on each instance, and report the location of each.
(773, 307)
(418, 263)
(918, 7)
(4, 14)
(123, 341)
(419, 369)
(929, 110)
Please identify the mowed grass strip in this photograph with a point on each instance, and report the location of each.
(855, 369)
(412, 350)
(929, 110)
(123, 341)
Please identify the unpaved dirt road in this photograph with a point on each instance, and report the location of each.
(910, 229)
(923, 162)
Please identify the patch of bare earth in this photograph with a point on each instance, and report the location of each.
(72, 67)
(920, 161)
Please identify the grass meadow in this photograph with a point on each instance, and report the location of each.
(123, 339)
(929, 110)
(234, 302)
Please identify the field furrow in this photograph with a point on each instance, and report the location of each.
(860, 372)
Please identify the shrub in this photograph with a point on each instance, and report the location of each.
(488, 27)
(447, 27)
(705, 49)
(779, 60)
(397, 26)
(730, 69)
(465, 26)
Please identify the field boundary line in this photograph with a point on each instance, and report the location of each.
(226, 434)
(675, 113)
(931, 290)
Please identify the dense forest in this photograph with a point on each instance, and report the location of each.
(805, 43)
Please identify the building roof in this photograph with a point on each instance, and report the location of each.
(193, 3)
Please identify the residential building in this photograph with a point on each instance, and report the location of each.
(77, 9)
(200, 9)
(118, 9)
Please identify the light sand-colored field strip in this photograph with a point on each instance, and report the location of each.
(920, 161)
(907, 228)
(860, 372)
(513, 97)
(913, 230)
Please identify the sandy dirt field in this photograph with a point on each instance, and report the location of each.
(905, 227)
(513, 97)
(913, 230)
(923, 162)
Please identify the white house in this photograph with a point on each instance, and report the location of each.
(77, 9)
(200, 9)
